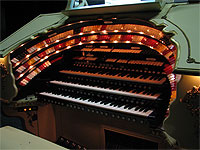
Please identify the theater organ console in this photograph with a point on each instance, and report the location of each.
(93, 75)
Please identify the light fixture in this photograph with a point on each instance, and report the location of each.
(68, 47)
(104, 32)
(69, 36)
(21, 75)
(151, 47)
(21, 45)
(46, 57)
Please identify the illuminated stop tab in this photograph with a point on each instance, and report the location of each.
(48, 41)
(168, 69)
(103, 27)
(103, 38)
(151, 42)
(127, 37)
(83, 39)
(77, 40)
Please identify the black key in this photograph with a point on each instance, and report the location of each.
(141, 109)
(146, 76)
(120, 104)
(131, 106)
(106, 102)
(156, 77)
(137, 108)
(146, 109)
(142, 76)
(127, 106)
(138, 90)
(151, 78)
(115, 104)
(160, 78)
(136, 75)
(112, 103)
(153, 93)
(145, 92)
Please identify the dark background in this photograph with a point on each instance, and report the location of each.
(15, 14)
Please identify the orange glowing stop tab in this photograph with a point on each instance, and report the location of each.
(149, 42)
(103, 37)
(126, 37)
(83, 39)
(48, 41)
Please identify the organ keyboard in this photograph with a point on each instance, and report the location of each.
(110, 80)
(110, 105)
